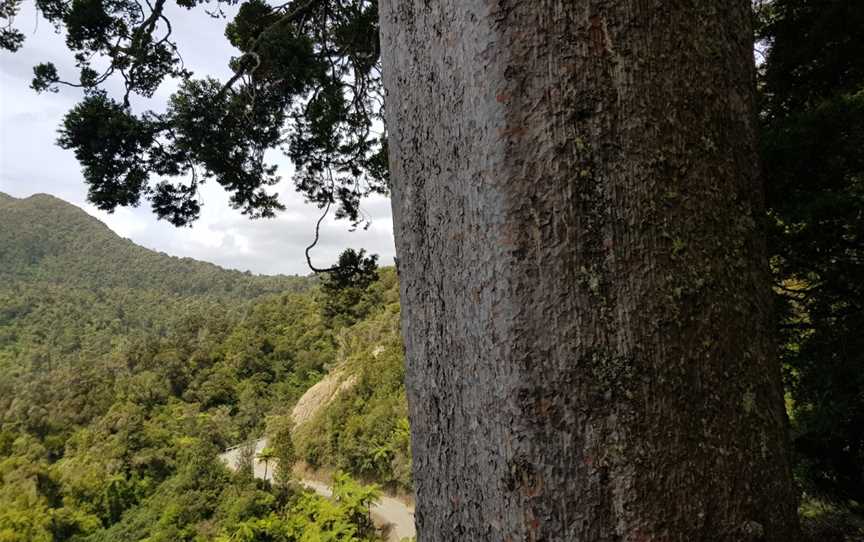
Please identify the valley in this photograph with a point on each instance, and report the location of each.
(124, 373)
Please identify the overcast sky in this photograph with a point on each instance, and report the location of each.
(31, 162)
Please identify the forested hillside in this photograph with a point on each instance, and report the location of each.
(45, 239)
(123, 373)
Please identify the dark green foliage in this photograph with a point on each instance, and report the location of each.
(109, 143)
(354, 270)
(343, 288)
(307, 80)
(11, 39)
(814, 52)
(812, 92)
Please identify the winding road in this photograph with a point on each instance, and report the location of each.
(386, 512)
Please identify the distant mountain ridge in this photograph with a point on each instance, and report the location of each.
(44, 239)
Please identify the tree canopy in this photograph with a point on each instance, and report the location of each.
(811, 87)
(307, 81)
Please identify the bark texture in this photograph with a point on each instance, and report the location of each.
(584, 284)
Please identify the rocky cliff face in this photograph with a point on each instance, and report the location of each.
(321, 395)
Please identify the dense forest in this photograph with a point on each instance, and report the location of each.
(811, 103)
(123, 374)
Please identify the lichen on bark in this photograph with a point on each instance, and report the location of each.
(584, 290)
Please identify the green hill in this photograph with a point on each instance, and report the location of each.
(72, 291)
(47, 240)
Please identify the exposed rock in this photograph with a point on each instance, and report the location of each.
(320, 395)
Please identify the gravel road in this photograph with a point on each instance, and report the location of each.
(387, 511)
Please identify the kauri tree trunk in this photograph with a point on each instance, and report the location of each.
(584, 283)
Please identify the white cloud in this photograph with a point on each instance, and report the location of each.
(31, 162)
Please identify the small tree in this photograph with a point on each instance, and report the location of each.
(266, 455)
(343, 287)
(283, 448)
(246, 460)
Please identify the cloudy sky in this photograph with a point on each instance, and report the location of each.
(30, 162)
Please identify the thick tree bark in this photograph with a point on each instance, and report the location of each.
(584, 282)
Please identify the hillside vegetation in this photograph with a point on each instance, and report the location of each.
(44, 239)
(364, 428)
(123, 373)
